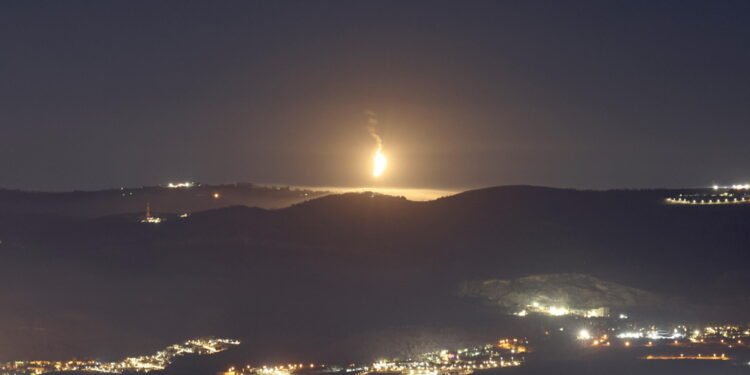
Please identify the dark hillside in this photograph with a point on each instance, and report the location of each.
(355, 265)
(163, 200)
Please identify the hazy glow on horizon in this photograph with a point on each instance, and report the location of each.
(413, 194)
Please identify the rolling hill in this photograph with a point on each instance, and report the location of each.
(328, 276)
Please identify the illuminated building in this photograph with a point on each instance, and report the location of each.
(180, 185)
(148, 218)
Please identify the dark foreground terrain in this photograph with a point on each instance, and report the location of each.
(353, 276)
(163, 199)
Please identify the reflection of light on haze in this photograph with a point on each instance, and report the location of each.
(379, 163)
(408, 193)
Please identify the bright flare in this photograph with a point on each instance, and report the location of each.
(584, 335)
(379, 162)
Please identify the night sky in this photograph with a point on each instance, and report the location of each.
(574, 94)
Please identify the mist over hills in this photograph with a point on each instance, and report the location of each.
(575, 291)
(370, 271)
(90, 204)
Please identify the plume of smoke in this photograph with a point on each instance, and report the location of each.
(372, 123)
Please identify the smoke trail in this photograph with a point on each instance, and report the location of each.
(372, 123)
(379, 161)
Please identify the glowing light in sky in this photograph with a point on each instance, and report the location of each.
(379, 162)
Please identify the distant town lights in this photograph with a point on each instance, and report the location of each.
(558, 311)
(745, 186)
(175, 185)
(146, 363)
(629, 335)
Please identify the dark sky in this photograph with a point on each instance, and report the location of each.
(581, 94)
